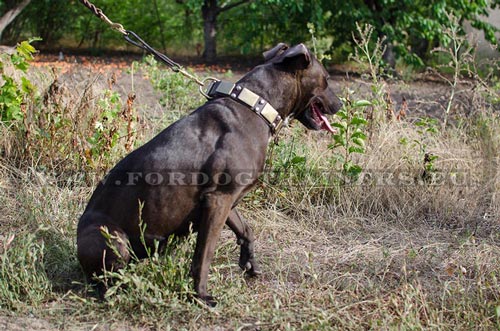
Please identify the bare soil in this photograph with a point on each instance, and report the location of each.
(424, 95)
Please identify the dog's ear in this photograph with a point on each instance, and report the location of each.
(297, 57)
(275, 51)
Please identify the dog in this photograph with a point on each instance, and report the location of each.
(196, 171)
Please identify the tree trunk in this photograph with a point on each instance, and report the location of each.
(209, 13)
(210, 10)
(389, 56)
(160, 25)
(11, 14)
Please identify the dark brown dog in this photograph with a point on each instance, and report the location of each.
(197, 170)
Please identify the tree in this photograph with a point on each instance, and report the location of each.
(13, 9)
(411, 28)
(209, 12)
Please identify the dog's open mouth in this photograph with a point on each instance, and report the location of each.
(318, 116)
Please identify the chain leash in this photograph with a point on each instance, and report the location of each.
(132, 38)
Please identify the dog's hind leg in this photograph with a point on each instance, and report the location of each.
(244, 235)
(97, 253)
(216, 208)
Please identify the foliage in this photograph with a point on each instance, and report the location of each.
(23, 279)
(153, 285)
(426, 127)
(16, 88)
(412, 27)
(351, 136)
(61, 131)
(458, 56)
(319, 46)
(106, 127)
(176, 90)
(288, 163)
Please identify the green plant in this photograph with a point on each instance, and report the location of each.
(106, 127)
(426, 127)
(178, 94)
(23, 279)
(287, 162)
(350, 135)
(112, 130)
(15, 91)
(459, 56)
(411, 28)
(368, 55)
(159, 282)
(320, 46)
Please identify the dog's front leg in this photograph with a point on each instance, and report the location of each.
(244, 235)
(215, 212)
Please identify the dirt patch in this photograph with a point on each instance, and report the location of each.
(426, 96)
(24, 324)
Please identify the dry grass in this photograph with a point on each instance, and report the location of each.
(386, 254)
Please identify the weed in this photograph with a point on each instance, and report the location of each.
(158, 283)
(110, 126)
(350, 135)
(320, 46)
(179, 94)
(460, 54)
(369, 56)
(426, 126)
(15, 92)
(23, 280)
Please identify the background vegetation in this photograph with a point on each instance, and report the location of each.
(411, 28)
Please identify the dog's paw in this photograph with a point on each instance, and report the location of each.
(207, 300)
(251, 269)
(247, 260)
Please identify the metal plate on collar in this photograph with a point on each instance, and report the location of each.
(224, 88)
(269, 113)
(248, 97)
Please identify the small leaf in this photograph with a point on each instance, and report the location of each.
(354, 170)
(298, 160)
(341, 114)
(358, 141)
(339, 158)
(340, 140)
(359, 135)
(354, 149)
(341, 126)
(26, 85)
(361, 103)
(358, 121)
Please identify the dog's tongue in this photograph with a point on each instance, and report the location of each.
(325, 124)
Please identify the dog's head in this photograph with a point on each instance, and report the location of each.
(316, 98)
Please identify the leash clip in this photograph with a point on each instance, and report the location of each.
(207, 86)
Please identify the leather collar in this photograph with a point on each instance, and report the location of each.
(260, 106)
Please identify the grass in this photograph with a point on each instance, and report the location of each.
(380, 253)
